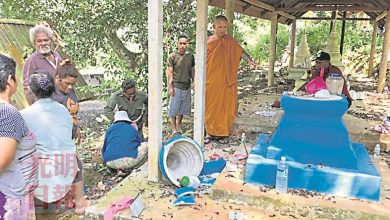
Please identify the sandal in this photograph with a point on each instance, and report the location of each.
(123, 203)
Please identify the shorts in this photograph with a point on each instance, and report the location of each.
(180, 104)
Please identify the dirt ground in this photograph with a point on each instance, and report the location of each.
(99, 179)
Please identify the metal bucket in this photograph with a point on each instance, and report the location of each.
(180, 156)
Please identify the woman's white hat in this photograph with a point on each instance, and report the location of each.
(121, 116)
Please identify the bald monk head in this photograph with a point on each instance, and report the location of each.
(220, 26)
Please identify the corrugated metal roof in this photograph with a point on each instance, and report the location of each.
(14, 41)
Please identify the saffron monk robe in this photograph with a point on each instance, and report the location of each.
(223, 59)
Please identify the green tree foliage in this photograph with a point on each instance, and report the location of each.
(109, 33)
(89, 30)
(356, 37)
(255, 34)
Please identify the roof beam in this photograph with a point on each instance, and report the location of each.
(244, 8)
(333, 8)
(328, 18)
(284, 14)
(335, 2)
(379, 17)
(260, 4)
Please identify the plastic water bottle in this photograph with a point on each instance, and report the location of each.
(190, 181)
(242, 150)
(377, 150)
(233, 215)
(282, 176)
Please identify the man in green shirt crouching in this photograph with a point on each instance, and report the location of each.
(134, 102)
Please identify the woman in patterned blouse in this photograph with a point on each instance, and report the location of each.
(18, 161)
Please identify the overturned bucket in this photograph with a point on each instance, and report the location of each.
(180, 156)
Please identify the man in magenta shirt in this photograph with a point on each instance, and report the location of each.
(323, 60)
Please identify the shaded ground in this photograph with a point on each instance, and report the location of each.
(99, 179)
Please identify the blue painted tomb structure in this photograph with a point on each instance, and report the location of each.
(314, 139)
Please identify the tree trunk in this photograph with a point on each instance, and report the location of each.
(121, 51)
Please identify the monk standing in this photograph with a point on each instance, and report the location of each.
(223, 59)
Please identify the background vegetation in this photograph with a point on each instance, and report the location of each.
(113, 33)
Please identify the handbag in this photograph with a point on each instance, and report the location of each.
(317, 83)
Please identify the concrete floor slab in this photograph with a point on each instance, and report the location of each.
(231, 188)
(158, 199)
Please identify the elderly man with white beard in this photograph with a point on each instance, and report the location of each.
(43, 59)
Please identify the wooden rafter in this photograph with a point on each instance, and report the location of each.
(295, 9)
(329, 18)
(267, 7)
(245, 7)
(333, 8)
(260, 4)
(335, 2)
(379, 17)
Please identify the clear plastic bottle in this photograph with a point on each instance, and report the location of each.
(233, 215)
(242, 150)
(282, 176)
(335, 83)
(190, 181)
(377, 150)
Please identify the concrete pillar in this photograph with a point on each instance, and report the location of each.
(155, 68)
(200, 70)
(229, 13)
(272, 49)
(373, 49)
(385, 55)
(292, 43)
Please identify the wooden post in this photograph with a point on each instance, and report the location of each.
(373, 49)
(332, 21)
(272, 48)
(200, 70)
(155, 68)
(385, 55)
(342, 33)
(292, 43)
(229, 13)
